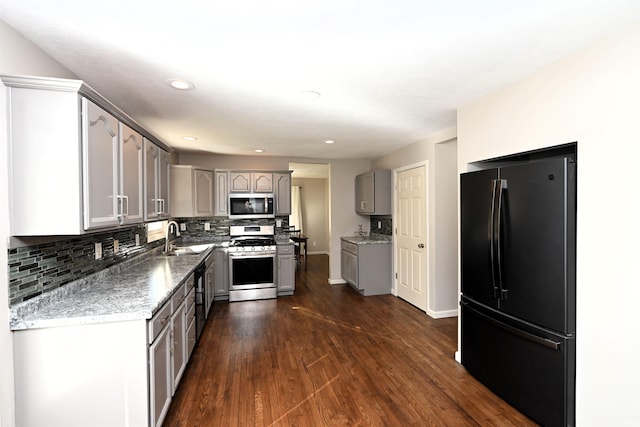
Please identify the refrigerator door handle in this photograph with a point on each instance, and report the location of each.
(501, 185)
(492, 237)
(553, 345)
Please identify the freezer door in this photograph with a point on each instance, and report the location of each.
(538, 242)
(476, 196)
(533, 370)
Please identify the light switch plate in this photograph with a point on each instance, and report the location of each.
(137, 240)
(207, 226)
(116, 246)
(98, 250)
(183, 226)
(279, 223)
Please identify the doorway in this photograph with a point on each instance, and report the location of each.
(312, 180)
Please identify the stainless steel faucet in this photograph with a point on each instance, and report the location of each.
(166, 237)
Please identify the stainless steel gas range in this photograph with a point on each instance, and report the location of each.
(252, 263)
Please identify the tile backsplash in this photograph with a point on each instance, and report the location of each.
(36, 269)
(386, 225)
(39, 268)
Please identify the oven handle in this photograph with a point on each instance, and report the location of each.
(251, 254)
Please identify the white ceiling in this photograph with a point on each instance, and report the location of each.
(390, 72)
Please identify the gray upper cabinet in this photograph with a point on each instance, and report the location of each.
(282, 192)
(221, 205)
(157, 182)
(112, 169)
(88, 174)
(101, 181)
(131, 191)
(373, 193)
(250, 182)
(191, 191)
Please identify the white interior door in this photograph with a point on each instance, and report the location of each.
(411, 237)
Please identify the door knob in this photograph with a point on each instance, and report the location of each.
(421, 245)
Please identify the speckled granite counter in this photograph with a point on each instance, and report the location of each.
(132, 290)
(370, 239)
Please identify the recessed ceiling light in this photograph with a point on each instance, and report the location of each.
(309, 94)
(259, 150)
(329, 141)
(180, 84)
(189, 138)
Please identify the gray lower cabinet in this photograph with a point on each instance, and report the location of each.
(367, 267)
(115, 373)
(286, 273)
(221, 274)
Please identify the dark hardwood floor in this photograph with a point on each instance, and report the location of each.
(326, 357)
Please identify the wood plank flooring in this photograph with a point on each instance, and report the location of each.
(330, 357)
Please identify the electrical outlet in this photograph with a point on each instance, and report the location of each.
(116, 246)
(314, 243)
(137, 240)
(183, 226)
(379, 224)
(207, 226)
(98, 250)
(279, 223)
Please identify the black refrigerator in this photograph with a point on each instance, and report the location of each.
(518, 326)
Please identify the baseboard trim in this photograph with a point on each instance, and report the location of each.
(443, 314)
(337, 281)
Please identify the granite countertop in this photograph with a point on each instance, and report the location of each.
(370, 239)
(132, 290)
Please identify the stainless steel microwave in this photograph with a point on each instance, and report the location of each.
(251, 205)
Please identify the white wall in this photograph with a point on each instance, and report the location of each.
(591, 97)
(17, 56)
(439, 151)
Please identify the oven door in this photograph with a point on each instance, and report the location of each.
(251, 270)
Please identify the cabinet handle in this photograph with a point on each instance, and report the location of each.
(363, 205)
(118, 206)
(125, 200)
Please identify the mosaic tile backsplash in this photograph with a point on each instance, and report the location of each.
(386, 224)
(37, 269)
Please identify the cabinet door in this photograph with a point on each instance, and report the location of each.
(282, 191)
(130, 192)
(204, 192)
(364, 193)
(349, 267)
(160, 376)
(151, 203)
(209, 288)
(100, 166)
(286, 273)
(240, 182)
(262, 182)
(222, 193)
(164, 183)
(221, 274)
(179, 359)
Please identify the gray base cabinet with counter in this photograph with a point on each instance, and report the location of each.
(113, 373)
(367, 266)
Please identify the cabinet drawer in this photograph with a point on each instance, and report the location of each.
(159, 321)
(191, 314)
(284, 249)
(179, 294)
(349, 247)
(191, 298)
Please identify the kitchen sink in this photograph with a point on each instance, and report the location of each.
(188, 249)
